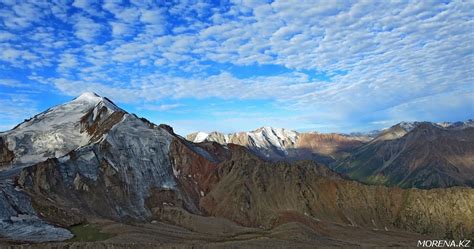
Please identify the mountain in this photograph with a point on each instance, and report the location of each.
(267, 194)
(88, 163)
(420, 154)
(409, 154)
(276, 144)
(84, 158)
(56, 131)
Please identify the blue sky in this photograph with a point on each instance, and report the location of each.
(328, 66)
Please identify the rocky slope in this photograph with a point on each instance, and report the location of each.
(277, 144)
(110, 164)
(311, 193)
(423, 155)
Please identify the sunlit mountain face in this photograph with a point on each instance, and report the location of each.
(241, 124)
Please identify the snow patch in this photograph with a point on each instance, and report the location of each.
(200, 137)
(408, 126)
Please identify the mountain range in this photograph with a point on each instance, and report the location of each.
(408, 154)
(275, 144)
(89, 164)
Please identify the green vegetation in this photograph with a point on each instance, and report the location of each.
(88, 232)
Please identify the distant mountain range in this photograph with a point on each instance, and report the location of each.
(276, 144)
(408, 154)
(88, 162)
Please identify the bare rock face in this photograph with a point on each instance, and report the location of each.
(35, 145)
(194, 166)
(99, 120)
(21, 221)
(6, 155)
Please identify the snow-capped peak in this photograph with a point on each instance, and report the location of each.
(200, 136)
(279, 133)
(457, 125)
(89, 97)
(276, 137)
(58, 130)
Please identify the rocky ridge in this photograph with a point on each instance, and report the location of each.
(278, 144)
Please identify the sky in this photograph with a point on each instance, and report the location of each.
(327, 66)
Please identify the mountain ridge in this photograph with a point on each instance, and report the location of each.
(426, 156)
(282, 144)
(344, 153)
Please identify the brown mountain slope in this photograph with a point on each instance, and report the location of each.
(258, 198)
(428, 156)
(324, 148)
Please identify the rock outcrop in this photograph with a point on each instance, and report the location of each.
(6, 155)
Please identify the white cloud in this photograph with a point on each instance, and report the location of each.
(11, 83)
(20, 16)
(17, 58)
(152, 16)
(81, 4)
(163, 107)
(5, 36)
(120, 29)
(68, 61)
(154, 87)
(86, 29)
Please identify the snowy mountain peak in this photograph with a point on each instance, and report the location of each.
(279, 133)
(60, 129)
(200, 137)
(271, 140)
(457, 125)
(408, 126)
(89, 97)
